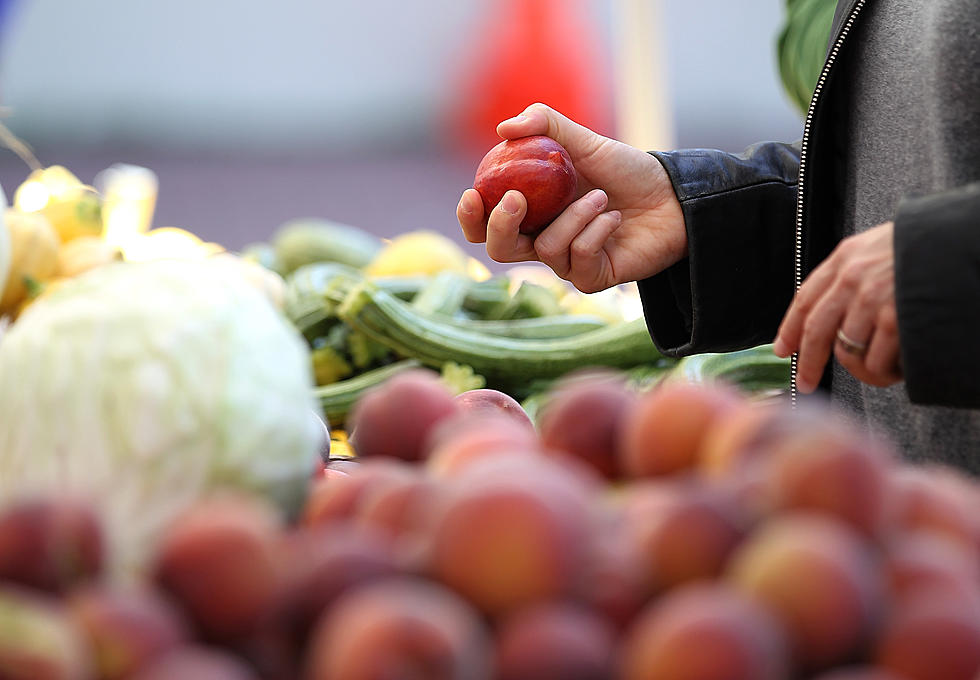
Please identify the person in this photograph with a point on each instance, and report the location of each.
(855, 249)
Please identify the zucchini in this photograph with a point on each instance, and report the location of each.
(338, 398)
(555, 326)
(755, 370)
(486, 298)
(305, 303)
(506, 363)
(305, 241)
(443, 294)
(529, 301)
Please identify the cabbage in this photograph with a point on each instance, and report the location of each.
(150, 384)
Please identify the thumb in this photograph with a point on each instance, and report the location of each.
(541, 119)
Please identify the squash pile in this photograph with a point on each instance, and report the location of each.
(371, 309)
(54, 230)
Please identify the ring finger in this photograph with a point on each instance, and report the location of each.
(554, 243)
(853, 337)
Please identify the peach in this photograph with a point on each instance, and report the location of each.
(688, 538)
(735, 439)
(198, 662)
(932, 638)
(934, 498)
(399, 507)
(126, 628)
(614, 584)
(505, 541)
(321, 564)
(394, 418)
(538, 167)
(487, 401)
(750, 433)
(50, 543)
(704, 632)
(336, 498)
(219, 561)
(39, 640)
(462, 440)
(663, 433)
(919, 561)
(833, 470)
(555, 640)
(569, 473)
(400, 628)
(819, 578)
(582, 417)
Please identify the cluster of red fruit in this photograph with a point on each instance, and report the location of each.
(684, 533)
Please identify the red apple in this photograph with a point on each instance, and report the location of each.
(538, 167)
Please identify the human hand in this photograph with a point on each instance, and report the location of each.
(625, 224)
(852, 292)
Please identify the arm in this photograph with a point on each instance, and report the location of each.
(937, 296)
(733, 287)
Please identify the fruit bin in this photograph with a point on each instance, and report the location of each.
(514, 483)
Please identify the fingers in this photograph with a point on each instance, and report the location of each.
(469, 213)
(879, 365)
(590, 263)
(540, 119)
(790, 333)
(554, 243)
(817, 340)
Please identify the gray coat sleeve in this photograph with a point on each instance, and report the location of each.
(937, 296)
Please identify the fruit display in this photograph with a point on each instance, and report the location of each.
(465, 542)
(333, 457)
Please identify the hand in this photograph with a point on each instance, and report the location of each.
(853, 291)
(625, 225)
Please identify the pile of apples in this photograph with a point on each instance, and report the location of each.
(683, 533)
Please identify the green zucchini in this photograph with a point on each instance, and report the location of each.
(530, 300)
(506, 363)
(485, 299)
(305, 303)
(443, 294)
(543, 327)
(755, 370)
(337, 399)
(307, 240)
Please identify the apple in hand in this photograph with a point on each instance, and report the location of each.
(537, 166)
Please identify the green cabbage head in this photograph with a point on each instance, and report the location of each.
(149, 385)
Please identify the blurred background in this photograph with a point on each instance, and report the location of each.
(369, 112)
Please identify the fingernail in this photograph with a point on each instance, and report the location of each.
(598, 199)
(519, 118)
(509, 204)
(779, 348)
(465, 205)
(803, 385)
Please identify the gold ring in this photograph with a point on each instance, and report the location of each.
(851, 346)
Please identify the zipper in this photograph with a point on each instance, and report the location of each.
(808, 122)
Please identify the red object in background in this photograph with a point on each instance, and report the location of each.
(527, 51)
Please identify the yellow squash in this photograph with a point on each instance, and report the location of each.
(33, 256)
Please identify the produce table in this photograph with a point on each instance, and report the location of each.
(514, 483)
